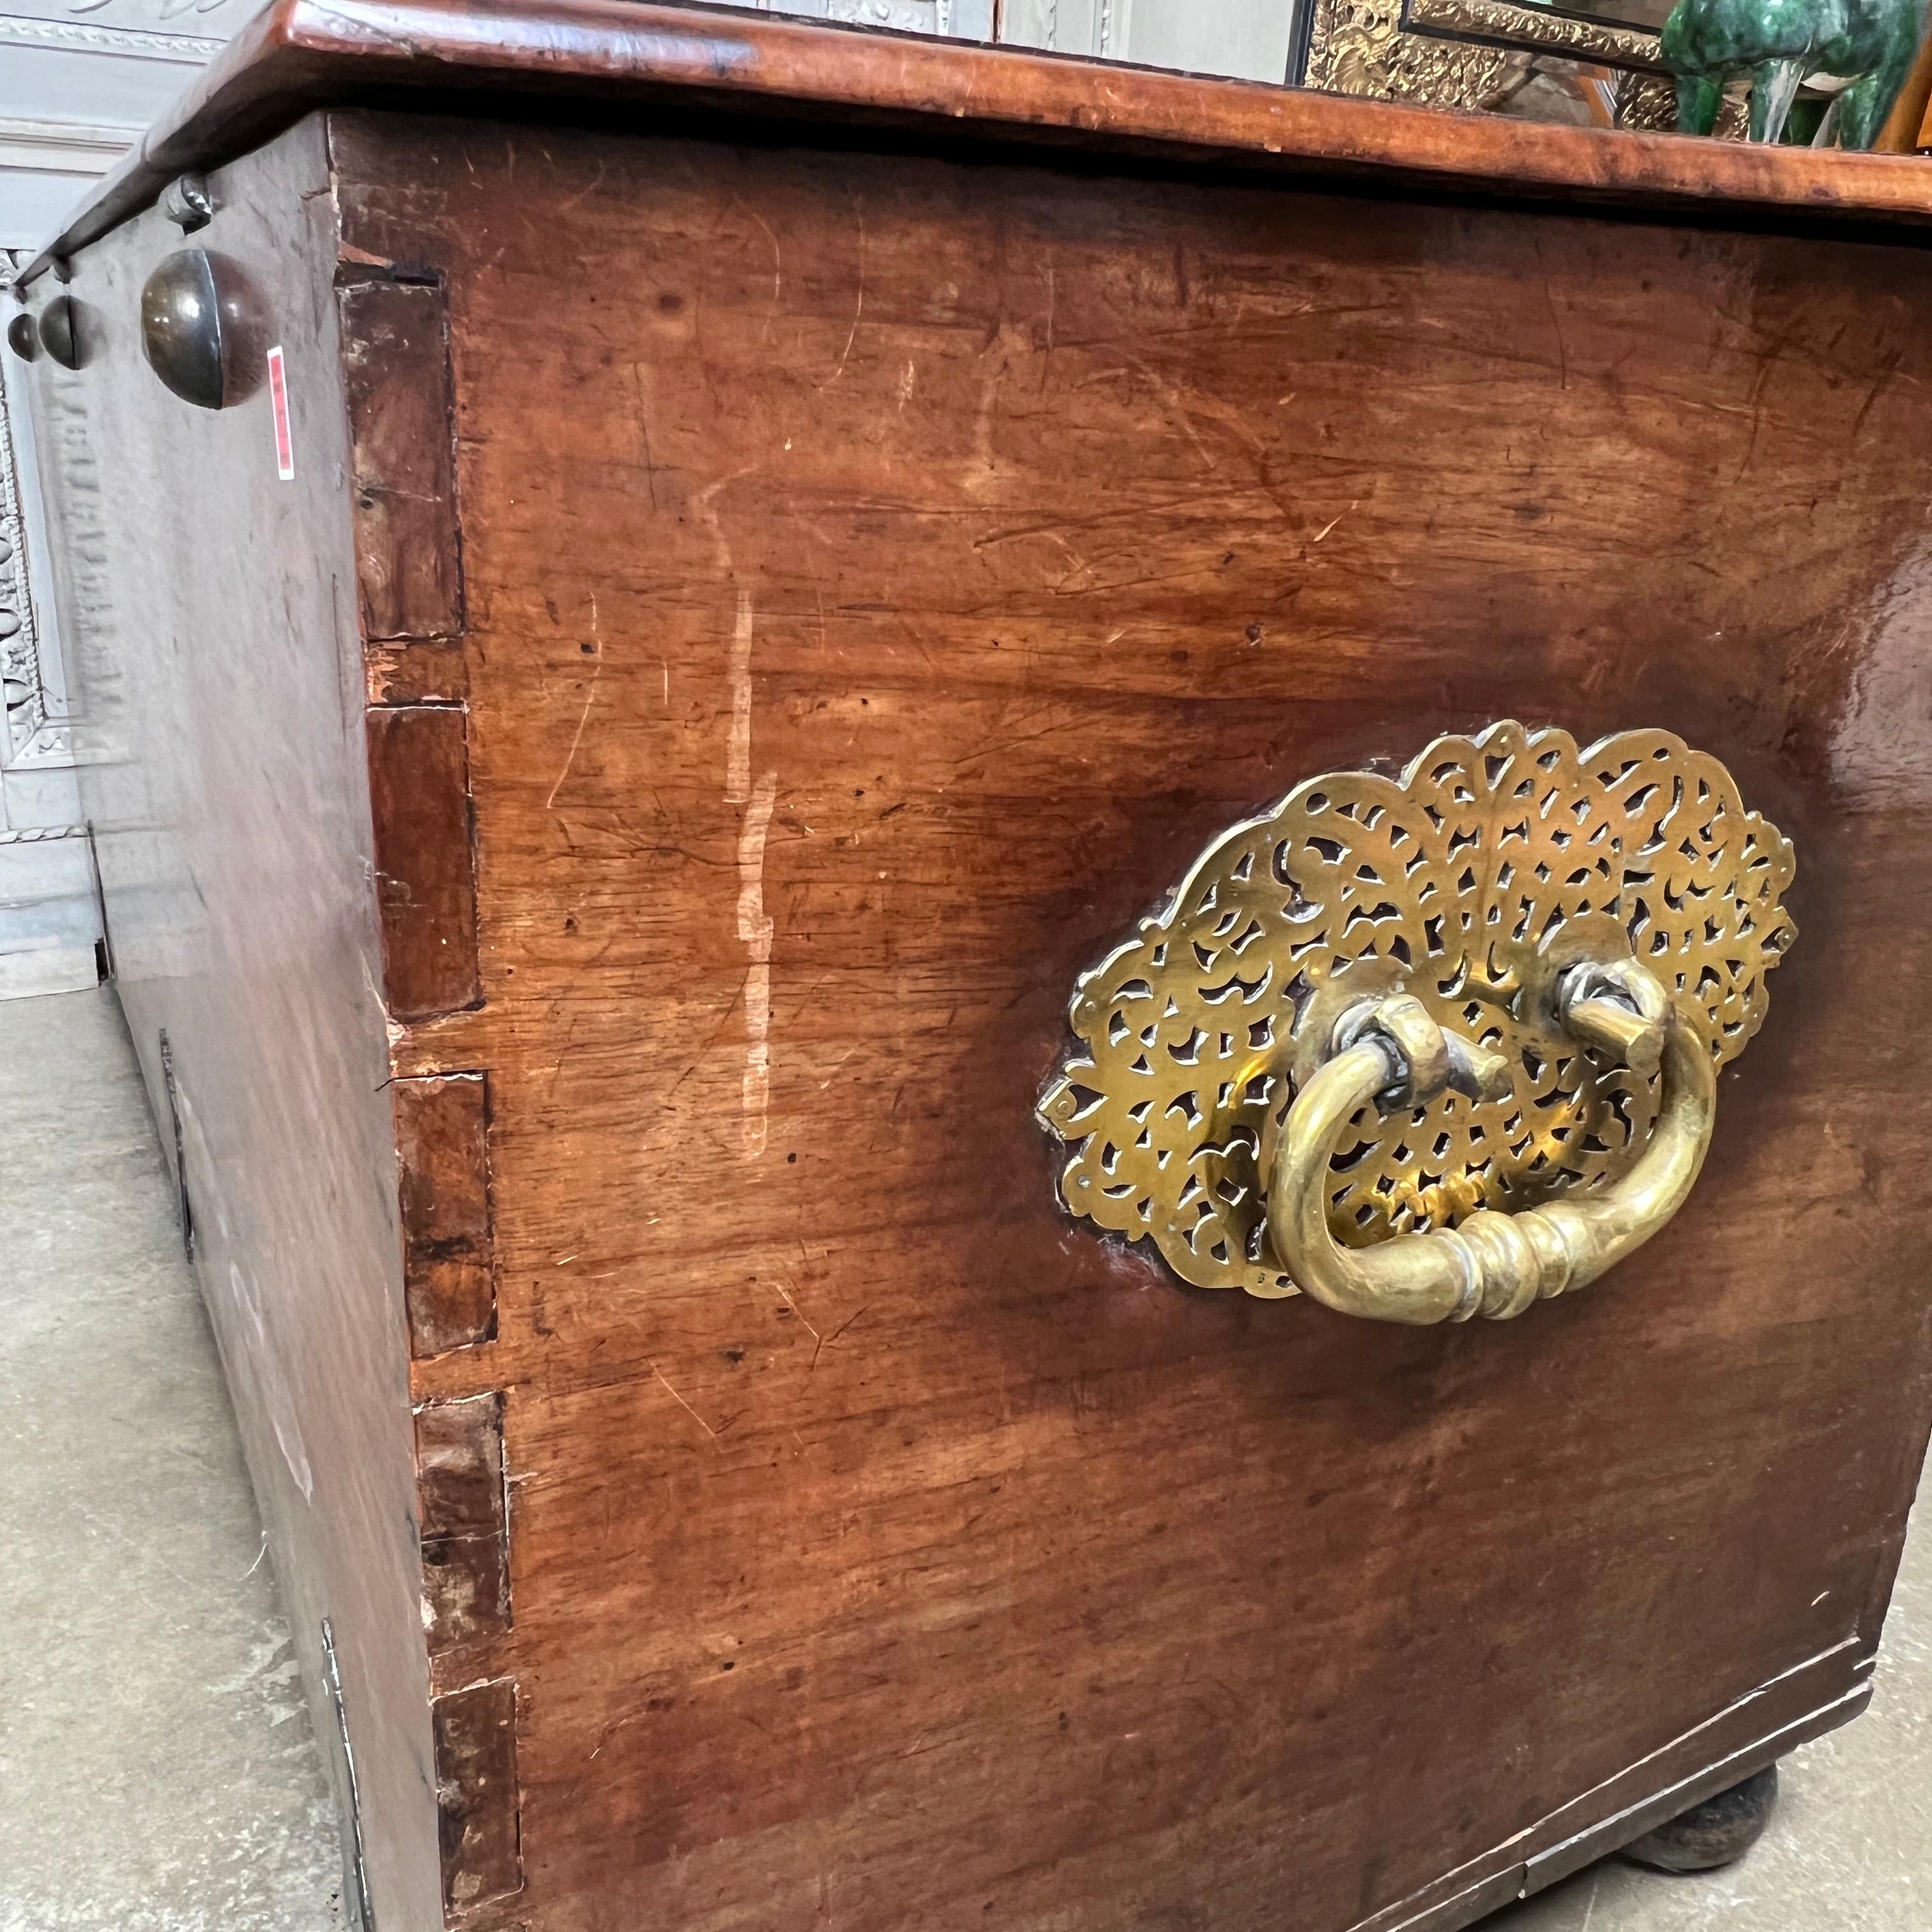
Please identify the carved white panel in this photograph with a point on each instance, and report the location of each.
(954, 20)
(46, 168)
(1248, 39)
(35, 731)
(79, 79)
(77, 83)
(48, 921)
(210, 20)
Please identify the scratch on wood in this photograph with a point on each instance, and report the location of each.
(754, 926)
(778, 268)
(1052, 301)
(858, 307)
(818, 1339)
(683, 1405)
(828, 1341)
(583, 717)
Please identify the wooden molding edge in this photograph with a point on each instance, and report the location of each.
(1804, 1703)
(299, 55)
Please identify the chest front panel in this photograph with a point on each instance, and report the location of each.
(883, 574)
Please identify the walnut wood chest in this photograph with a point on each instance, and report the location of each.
(735, 563)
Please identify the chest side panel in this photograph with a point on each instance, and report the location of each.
(207, 590)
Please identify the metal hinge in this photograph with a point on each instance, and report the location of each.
(361, 1913)
(171, 1090)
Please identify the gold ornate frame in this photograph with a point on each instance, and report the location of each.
(1463, 53)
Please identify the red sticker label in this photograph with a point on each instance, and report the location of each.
(278, 400)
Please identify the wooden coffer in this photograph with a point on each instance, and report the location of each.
(786, 544)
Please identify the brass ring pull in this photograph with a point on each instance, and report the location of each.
(1493, 1265)
(1604, 920)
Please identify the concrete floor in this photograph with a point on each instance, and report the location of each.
(157, 1770)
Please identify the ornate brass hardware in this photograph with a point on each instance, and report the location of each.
(1491, 1264)
(1431, 1047)
(201, 329)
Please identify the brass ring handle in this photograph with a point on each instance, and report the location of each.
(1494, 1264)
(1524, 888)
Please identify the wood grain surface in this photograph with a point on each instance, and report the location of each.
(408, 563)
(884, 573)
(424, 870)
(740, 70)
(449, 1262)
(464, 1518)
(207, 624)
(476, 1793)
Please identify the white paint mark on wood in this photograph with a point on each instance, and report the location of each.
(754, 929)
(738, 756)
(276, 1398)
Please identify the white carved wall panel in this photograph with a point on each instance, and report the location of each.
(1247, 39)
(79, 79)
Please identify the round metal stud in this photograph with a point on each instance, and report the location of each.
(198, 328)
(60, 331)
(21, 338)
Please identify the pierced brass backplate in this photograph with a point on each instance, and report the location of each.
(1493, 868)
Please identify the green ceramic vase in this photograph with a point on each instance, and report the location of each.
(1780, 44)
